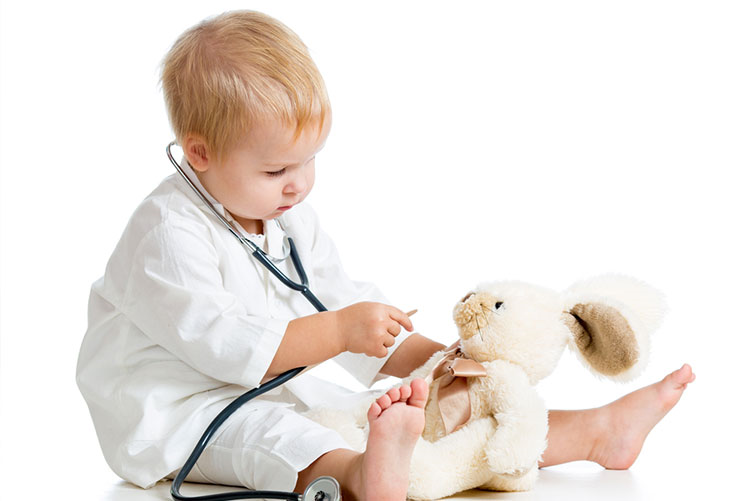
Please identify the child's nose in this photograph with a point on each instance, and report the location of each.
(297, 184)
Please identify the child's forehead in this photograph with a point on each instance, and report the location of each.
(276, 142)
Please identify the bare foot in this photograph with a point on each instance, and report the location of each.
(626, 422)
(396, 422)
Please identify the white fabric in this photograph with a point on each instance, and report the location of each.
(264, 448)
(184, 320)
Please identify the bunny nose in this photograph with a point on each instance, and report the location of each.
(472, 310)
(467, 296)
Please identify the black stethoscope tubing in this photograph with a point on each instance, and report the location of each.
(301, 287)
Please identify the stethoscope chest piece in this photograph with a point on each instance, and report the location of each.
(322, 489)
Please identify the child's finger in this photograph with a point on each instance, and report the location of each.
(402, 318)
(394, 329)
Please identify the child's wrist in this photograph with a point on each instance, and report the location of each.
(336, 327)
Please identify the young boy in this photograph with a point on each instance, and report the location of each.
(183, 320)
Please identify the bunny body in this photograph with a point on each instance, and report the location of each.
(518, 333)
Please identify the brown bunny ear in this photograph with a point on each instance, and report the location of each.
(604, 338)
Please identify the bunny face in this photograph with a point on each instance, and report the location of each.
(513, 321)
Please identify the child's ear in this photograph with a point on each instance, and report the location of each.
(603, 337)
(196, 151)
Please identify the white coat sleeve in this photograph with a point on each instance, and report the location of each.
(175, 296)
(336, 290)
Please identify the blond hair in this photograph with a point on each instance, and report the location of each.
(227, 73)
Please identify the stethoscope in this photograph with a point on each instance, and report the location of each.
(322, 488)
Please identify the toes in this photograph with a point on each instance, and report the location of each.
(397, 394)
(419, 392)
(405, 392)
(394, 394)
(384, 401)
(374, 411)
(682, 376)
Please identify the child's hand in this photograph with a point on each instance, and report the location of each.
(370, 328)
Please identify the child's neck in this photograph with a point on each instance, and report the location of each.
(252, 226)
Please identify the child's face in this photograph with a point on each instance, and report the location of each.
(266, 174)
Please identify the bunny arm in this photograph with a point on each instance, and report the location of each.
(521, 434)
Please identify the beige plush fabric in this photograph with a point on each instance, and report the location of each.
(604, 337)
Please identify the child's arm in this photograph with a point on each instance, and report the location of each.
(409, 355)
(367, 327)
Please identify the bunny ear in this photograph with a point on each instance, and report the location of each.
(612, 318)
(604, 338)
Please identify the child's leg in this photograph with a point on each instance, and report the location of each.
(263, 446)
(381, 473)
(614, 434)
(611, 436)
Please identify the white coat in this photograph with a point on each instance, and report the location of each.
(184, 320)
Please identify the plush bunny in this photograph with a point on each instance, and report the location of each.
(488, 430)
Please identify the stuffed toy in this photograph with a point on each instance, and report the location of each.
(486, 425)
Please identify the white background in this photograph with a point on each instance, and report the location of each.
(540, 141)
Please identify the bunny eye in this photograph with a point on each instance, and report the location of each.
(498, 305)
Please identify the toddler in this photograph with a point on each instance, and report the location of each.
(183, 320)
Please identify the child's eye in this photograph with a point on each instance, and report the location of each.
(276, 173)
